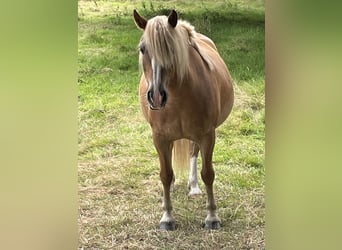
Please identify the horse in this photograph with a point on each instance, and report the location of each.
(185, 93)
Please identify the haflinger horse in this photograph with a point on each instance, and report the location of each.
(186, 92)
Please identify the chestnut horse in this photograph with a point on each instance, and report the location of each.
(185, 91)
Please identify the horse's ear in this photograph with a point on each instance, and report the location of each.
(139, 20)
(173, 18)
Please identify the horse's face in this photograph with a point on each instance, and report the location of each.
(157, 76)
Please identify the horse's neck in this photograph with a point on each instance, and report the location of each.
(197, 45)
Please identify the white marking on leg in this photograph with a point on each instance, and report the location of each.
(167, 222)
(212, 220)
(193, 180)
(167, 217)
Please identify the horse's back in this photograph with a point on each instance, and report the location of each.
(219, 79)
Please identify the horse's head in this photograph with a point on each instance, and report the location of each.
(157, 55)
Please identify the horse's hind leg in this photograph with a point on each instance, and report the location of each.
(193, 180)
(207, 144)
(164, 149)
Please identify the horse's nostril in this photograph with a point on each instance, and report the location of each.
(164, 97)
(157, 99)
(150, 96)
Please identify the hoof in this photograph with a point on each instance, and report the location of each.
(168, 226)
(212, 225)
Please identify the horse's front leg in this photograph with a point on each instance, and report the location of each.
(208, 175)
(164, 149)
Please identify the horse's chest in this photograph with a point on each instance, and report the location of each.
(179, 125)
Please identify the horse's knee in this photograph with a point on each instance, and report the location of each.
(166, 177)
(208, 175)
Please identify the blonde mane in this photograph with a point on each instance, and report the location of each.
(170, 46)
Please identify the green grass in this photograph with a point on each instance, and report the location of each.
(119, 186)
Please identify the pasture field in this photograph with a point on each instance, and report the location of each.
(119, 188)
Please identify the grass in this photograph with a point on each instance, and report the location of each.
(119, 187)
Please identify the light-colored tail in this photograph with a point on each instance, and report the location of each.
(181, 156)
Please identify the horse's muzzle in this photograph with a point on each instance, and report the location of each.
(157, 99)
